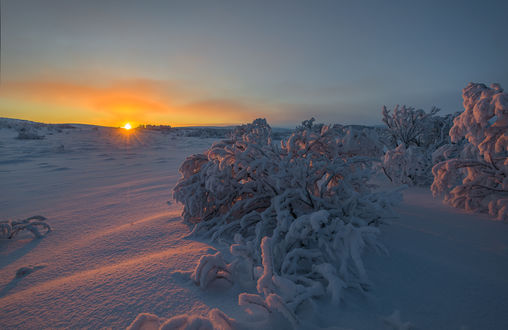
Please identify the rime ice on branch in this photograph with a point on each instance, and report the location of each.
(413, 136)
(297, 215)
(475, 177)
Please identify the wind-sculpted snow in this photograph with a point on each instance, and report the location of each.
(476, 178)
(117, 249)
(298, 215)
(215, 320)
(210, 268)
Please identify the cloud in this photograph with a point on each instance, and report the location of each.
(138, 100)
(165, 102)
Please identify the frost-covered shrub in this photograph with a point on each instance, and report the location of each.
(35, 224)
(309, 125)
(297, 215)
(361, 142)
(476, 177)
(415, 135)
(411, 166)
(409, 126)
(199, 132)
(353, 140)
(27, 130)
(210, 268)
(25, 134)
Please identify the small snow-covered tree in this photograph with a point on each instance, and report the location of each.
(361, 142)
(409, 126)
(415, 135)
(411, 165)
(354, 140)
(476, 178)
(297, 215)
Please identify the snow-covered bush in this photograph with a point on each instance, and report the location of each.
(35, 224)
(415, 135)
(409, 126)
(210, 268)
(354, 140)
(27, 130)
(361, 142)
(476, 177)
(29, 135)
(411, 166)
(297, 215)
(200, 132)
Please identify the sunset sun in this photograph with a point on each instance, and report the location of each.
(127, 126)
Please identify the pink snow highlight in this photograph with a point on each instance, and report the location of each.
(482, 166)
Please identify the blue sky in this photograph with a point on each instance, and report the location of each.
(227, 62)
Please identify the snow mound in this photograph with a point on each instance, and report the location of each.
(24, 271)
(393, 322)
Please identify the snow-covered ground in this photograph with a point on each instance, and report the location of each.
(118, 249)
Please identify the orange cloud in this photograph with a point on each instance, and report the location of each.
(137, 100)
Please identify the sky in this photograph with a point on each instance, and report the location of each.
(214, 62)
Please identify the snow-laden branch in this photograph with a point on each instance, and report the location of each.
(298, 215)
(35, 224)
(473, 173)
(415, 135)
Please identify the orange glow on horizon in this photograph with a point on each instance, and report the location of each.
(109, 104)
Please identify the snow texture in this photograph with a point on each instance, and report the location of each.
(476, 177)
(393, 321)
(24, 271)
(409, 126)
(408, 165)
(215, 320)
(117, 249)
(35, 224)
(210, 268)
(414, 135)
(298, 215)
